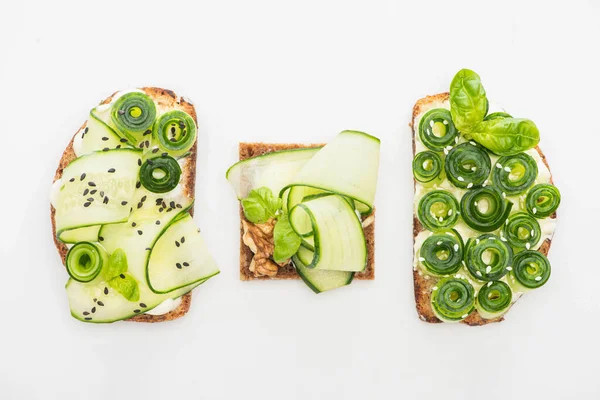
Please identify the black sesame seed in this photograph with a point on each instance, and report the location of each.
(133, 224)
(93, 310)
(141, 145)
(139, 162)
(121, 112)
(90, 199)
(154, 151)
(169, 209)
(86, 130)
(86, 313)
(186, 264)
(118, 146)
(164, 204)
(182, 239)
(172, 140)
(147, 144)
(105, 290)
(101, 304)
(150, 162)
(72, 180)
(178, 265)
(122, 276)
(148, 249)
(82, 177)
(104, 138)
(136, 311)
(88, 318)
(105, 149)
(144, 199)
(86, 204)
(143, 305)
(100, 238)
(86, 191)
(123, 203)
(165, 154)
(95, 300)
(148, 132)
(101, 193)
(160, 209)
(123, 140)
(137, 185)
(157, 222)
(140, 232)
(177, 243)
(92, 184)
(172, 130)
(179, 206)
(140, 204)
(105, 201)
(111, 170)
(93, 191)
(172, 204)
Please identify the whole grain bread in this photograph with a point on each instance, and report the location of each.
(165, 99)
(248, 150)
(423, 286)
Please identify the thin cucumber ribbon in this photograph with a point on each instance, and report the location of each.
(175, 132)
(85, 261)
(133, 115)
(436, 129)
(493, 299)
(522, 231)
(488, 258)
(442, 253)
(542, 200)
(428, 167)
(453, 299)
(468, 165)
(438, 209)
(513, 175)
(485, 209)
(160, 174)
(530, 270)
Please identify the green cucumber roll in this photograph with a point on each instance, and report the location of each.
(530, 270)
(175, 131)
(85, 261)
(485, 209)
(438, 209)
(428, 167)
(133, 115)
(493, 299)
(160, 174)
(522, 231)
(487, 257)
(453, 299)
(436, 130)
(515, 174)
(468, 165)
(441, 253)
(542, 200)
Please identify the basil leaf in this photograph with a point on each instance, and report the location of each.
(507, 136)
(468, 102)
(117, 265)
(261, 205)
(127, 286)
(286, 240)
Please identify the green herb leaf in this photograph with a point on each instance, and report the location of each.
(127, 286)
(117, 265)
(260, 205)
(507, 136)
(286, 240)
(468, 102)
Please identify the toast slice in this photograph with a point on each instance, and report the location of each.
(422, 285)
(165, 100)
(287, 271)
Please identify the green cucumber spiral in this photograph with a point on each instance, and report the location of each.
(542, 200)
(436, 129)
(428, 167)
(530, 270)
(493, 299)
(133, 114)
(453, 299)
(438, 209)
(515, 174)
(160, 174)
(485, 209)
(522, 231)
(442, 253)
(175, 132)
(85, 261)
(488, 257)
(468, 165)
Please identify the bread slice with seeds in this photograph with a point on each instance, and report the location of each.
(422, 285)
(165, 100)
(287, 271)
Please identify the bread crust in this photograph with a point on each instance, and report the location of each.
(248, 150)
(423, 286)
(166, 99)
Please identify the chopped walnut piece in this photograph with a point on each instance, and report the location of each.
(259, 238)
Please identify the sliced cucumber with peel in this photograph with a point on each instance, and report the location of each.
(96, 136)
(85, 234)
(320, 280)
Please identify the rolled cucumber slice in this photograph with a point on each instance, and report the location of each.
(348, 166)
(96, 136)
(86, 234)
(96, 189)
(339, 241)
(273, 170)
(320, 280)
(179, 258)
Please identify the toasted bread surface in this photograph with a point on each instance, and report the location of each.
(422, 285)
(248, 150)
(167, 100)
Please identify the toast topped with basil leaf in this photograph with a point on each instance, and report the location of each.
(484, 206)
(306, 211)
(121, 210)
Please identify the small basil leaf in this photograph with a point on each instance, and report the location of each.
(117, 264)
(468, 102)
(507, 136)
(286, 240)
(261, 205)
(126, 285)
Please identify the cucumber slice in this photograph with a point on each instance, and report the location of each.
(339, 240)
(273, 170)
(96, 136)
(96, 189)
(347, 166)
(305, 255)
(85, 234)
(179, 258)
(319, 280)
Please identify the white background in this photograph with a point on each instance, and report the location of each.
(283, 72)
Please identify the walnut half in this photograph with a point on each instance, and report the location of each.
(259, 238)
